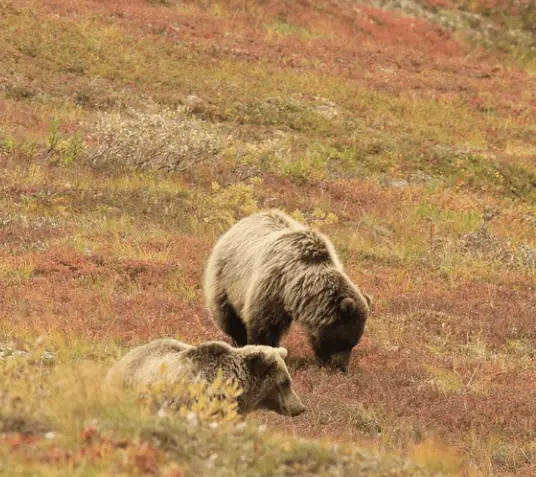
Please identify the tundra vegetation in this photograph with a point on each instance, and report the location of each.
(133, 133)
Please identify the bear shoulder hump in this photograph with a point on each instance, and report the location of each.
(311, 246)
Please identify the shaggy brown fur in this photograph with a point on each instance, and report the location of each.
(260, 371)
(269, 270)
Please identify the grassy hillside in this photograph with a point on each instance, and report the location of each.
(132, 133)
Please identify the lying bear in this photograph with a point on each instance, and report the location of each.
(269, 270)
(260, 371)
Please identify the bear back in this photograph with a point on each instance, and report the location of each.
(306, 246)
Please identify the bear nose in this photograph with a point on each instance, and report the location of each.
(297, 411)
(294, 405)
(340, 361)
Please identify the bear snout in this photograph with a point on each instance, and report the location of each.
(294, 406)
(286, 403)
(297, 411)
(340, 361)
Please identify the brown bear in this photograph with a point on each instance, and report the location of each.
(260, 371)
(269, 270)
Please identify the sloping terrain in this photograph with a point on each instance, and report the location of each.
(132, 133)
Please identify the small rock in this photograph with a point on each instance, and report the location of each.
(421, 178)
(329, 111)
(191, 419)
(47, 356)
(274, 100)
(193, 102)
(241, 426)
(395, 183)
(382, 231)
(212, 460)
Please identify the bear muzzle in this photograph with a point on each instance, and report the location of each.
(293, 406)
(286, 403)
(339, 361)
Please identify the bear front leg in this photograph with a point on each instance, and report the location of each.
(264, 315)
(263, 336)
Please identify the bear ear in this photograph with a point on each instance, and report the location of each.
(259, 364)
(368, 298)
(214, 348)
(348, 305)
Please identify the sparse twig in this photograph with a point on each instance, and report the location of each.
(526, 456)
(468, 385)
(162, 141)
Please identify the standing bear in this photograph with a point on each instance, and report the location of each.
(269, 270)
(260, 371)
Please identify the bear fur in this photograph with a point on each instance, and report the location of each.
(269, 270)
(260, 371)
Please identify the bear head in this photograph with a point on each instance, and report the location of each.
(269, 385)
(260, 371)
(334, 339)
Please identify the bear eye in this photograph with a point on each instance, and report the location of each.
(285, 384)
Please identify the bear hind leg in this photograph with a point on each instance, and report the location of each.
(231, 324)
